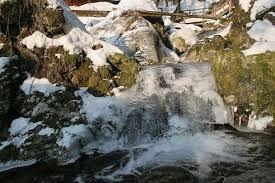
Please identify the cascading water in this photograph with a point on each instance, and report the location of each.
(167, 118)
(160, 130)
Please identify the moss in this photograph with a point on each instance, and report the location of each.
(127, 69)
(262, 69)
(251, 80)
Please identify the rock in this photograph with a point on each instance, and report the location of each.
(270, 17)
(207, 49)
(169, 174)
(127, 69)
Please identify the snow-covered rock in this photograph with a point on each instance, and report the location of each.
(127, 32)
(259, 6)
(43, 85)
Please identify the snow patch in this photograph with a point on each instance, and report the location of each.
(75, 42)
(148, 5)
(263, 32)
(46, 132)
(224, 32)
(100, 107)
(259, 6)
(21, 126)
(43, 85)
(97, 6)
(245, 4)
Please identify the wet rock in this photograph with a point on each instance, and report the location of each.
(264, 175)
(169, 174)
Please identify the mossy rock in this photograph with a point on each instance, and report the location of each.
(238, 38)
(179, 45)
(207, 49)
(127, 69)
(251, 80)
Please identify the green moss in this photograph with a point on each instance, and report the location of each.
(251, 80)
(263, 82)
(127, 69)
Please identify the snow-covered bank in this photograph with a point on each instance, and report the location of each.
(263, 32)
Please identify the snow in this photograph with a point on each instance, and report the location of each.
(259, 48)
(148, 5)
(259, 6)
(3, 62)
(21, 126)
(43, 85)
(195, 4)
(15, 164)
(46, 132)
(75, 42)
(259, 123)
(52, 4)
(263, 32)
(98, 6)
(224, 32)
(245, 4)
(184, 31)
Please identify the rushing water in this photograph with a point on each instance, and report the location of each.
(162, 130)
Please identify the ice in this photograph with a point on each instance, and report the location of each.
(259, 123)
